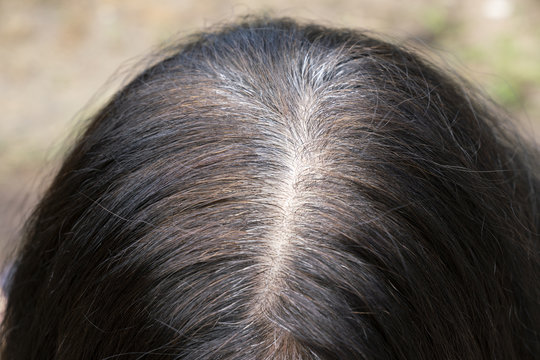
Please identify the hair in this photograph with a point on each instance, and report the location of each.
(275, 190)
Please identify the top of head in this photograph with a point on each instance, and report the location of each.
(275, 190)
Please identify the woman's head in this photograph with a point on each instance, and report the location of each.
(277, 191)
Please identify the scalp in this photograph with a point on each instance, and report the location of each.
(274, 190)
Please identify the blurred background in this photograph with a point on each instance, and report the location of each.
(57, 55)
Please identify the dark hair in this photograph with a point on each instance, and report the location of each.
(282, 191)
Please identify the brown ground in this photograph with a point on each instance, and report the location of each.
(55, 55)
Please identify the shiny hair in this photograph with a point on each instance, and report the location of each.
(275, 190)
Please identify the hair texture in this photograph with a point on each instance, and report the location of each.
(272, 190)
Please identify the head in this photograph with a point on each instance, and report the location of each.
(281, 191)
